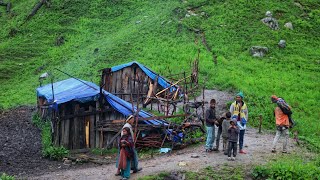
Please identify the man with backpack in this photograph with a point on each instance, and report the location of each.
(282, 123)
(285, 108)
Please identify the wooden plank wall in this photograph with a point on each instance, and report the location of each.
(125, 81)
(71, 133)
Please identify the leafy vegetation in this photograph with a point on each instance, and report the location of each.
(289, 168)
(4, 176)
(48, 150)
(159, 176)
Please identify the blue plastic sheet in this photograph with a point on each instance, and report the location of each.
(84, 91)
(161, 80)
(69, 89)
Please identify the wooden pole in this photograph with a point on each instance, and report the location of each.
(203, 106)
(260, 122)
(135, 117)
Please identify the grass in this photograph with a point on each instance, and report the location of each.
(292, 167)
(224, 173)
(100, 34)
(4, 176)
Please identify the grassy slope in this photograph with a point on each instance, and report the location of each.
(149, 31)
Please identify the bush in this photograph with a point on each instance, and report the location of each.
(285, 168)
(48, 150)
(55, 153)
(4, 176)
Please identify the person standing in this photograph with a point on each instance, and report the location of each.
(125, 146)
(135, 160)
(285, 108)
(282, 125)
(225, 127)
(233, 133)
(211, 119)
(239, 113)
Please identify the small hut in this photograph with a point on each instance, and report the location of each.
(83, 116)
(135, 82)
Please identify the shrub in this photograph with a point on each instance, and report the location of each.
(4, 176)
(288, 168)
(55, 153)
(48, 150)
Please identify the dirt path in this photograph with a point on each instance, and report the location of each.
(257, 146)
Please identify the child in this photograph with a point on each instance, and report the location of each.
(225, 127)
(233, 133)
(126, 146)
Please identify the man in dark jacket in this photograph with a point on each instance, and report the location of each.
(211, 120)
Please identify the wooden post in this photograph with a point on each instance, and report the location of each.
(203, 115)
(260, 122)
(97, 119)
(82, 137)
(76, 137)
(66, 133)
(135, 117)
(91, 127)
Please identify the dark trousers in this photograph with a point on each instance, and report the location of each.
(241, 137)
(232, 147)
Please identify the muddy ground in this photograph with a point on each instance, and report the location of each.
(20, 151)
(20, 145)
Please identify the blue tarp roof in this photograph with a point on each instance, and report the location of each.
(72, 89)
(68, 90)
(162, 81)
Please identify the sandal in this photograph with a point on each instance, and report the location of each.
(117, 174)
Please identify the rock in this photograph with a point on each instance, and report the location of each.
(271, 22)
(258, 51)
(298, 5)
(268, 14)
(138, 22)
(288, 25)
(194, 155)
(67, 162)
(282, 44)
(182, 163)
(59, 41)
(108, 157)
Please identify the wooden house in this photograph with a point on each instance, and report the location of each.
(84, 116)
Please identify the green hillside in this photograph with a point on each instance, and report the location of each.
(163, 35)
